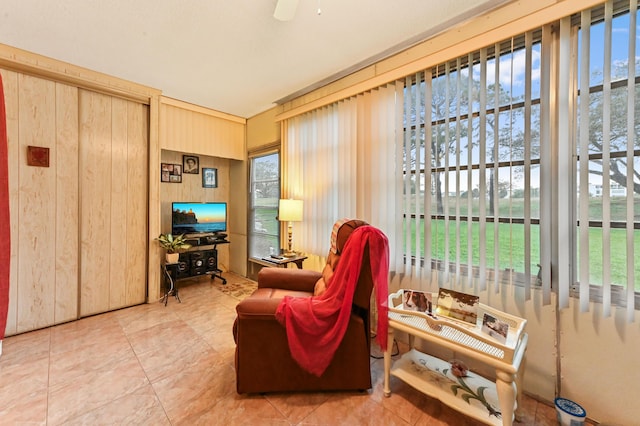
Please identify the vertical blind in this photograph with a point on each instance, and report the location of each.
(607, 153)
(446, 162)
(471, 169)
(516, 164)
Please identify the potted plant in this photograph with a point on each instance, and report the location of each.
(173, 245)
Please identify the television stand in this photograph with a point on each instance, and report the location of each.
(200, 259)
(217, 273)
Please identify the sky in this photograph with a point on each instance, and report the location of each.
(512, 69)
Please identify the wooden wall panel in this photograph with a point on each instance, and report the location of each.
(95, 206)
(114, 156)
(10, 83)
(118, 204)
(36, 205)
(197, 130)
(67, 199)
(137, 196)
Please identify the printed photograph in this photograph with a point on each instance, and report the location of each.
(417, 301)
(191, 164)
(209, 177)
(457, 305)
(495, 328)
(171, 173)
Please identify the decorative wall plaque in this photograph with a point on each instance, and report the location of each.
(38, 156)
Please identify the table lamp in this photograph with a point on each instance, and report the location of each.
(290, 211)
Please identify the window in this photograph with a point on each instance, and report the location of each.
(472, 165)
(607, 153)
(517, 164)
(264, 228)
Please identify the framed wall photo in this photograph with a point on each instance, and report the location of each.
(171, 173)
(209, 178)
(190, 164)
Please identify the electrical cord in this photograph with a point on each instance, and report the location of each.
(393, 353)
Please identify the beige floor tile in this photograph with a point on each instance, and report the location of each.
(25, 408)
(196, 388)
(297, 406)
(93, 389)
(352, 409)
(140, 407)
(24, 368)
(238, 410)
(145, 316)
(545, 415)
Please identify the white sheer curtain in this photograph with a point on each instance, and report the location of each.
(339, 159)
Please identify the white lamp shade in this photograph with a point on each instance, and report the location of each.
(290, 210)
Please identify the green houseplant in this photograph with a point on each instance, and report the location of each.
(173, 245)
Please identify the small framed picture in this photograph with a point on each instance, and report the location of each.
(457, 305)
(495, 328)
(209, 177)
(420, 301)
(171, 173)
(190, 164)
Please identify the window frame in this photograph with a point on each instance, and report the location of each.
(253, 208)
(618, 293)
(508, 47)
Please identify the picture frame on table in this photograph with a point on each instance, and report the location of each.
(459, 306)
(209, 177)
(495, 328)
(414, 300)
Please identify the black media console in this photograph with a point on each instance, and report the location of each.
(202, 257)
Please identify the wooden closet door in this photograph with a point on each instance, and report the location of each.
(113, 193)
(43, 202)
(137, 202)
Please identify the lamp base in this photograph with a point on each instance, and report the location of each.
(289, 254)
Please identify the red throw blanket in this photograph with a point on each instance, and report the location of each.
(316, 325)
(5, 230)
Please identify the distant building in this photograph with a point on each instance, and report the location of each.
(615, 190)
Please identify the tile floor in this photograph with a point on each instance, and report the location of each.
(173, 365)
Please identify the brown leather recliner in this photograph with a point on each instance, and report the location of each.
(263, 360)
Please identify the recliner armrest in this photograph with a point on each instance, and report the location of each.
(288, 279)
(257, 308)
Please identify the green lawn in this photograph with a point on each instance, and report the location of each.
(511, 248)
(511, 240)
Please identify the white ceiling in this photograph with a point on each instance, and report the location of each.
(229, 55)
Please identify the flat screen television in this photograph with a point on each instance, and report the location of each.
(198, 218)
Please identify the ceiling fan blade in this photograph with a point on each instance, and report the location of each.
(285, 10)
